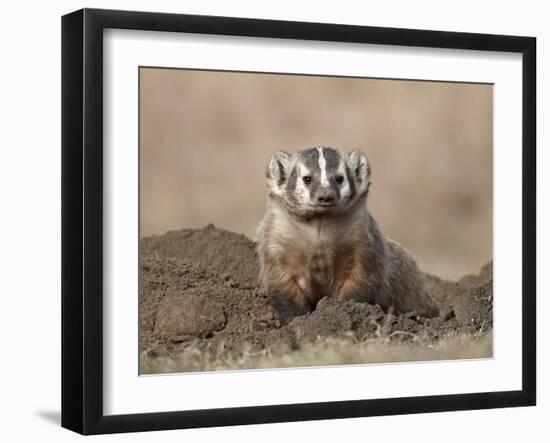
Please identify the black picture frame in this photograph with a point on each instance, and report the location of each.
(82, 220)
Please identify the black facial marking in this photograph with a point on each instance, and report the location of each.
(291, 186)
(332, 160)
(351, 182)
(282, 174)
(310, 159)
(332, 157)
(335, 187)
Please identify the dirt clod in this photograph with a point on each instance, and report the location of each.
(190, 315)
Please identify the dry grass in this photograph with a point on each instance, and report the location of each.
(329, 352)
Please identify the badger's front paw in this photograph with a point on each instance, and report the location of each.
(287, 307)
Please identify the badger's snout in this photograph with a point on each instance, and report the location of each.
(326, 196)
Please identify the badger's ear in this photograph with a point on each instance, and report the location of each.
(360, 167)
(277, 170)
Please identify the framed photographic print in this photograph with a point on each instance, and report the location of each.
(268, 221)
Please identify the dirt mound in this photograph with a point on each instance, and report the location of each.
(199, 290)
(223, 253)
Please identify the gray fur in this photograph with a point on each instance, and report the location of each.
(310, 249)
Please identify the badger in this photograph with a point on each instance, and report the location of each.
(318, 239)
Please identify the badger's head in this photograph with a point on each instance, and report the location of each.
(318, 181)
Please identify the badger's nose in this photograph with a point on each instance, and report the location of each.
(326, 196)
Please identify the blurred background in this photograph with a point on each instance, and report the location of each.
(206, 137)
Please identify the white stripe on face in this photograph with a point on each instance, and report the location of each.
(323, 167)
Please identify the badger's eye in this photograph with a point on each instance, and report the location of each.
(306, 179)
(339, 179)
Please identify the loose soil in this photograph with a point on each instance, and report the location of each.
(199, 292)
